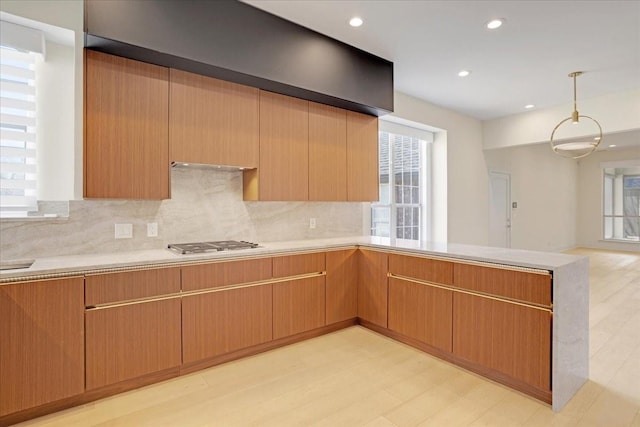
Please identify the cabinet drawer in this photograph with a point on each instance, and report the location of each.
(219, 274)
(430, 270)
(518, 285)
(113, 287)
(293, 265)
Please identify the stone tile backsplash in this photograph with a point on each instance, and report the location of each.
(206, 204)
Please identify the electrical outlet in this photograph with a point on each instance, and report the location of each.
(312, 223)
(152, 229)
(123, 231)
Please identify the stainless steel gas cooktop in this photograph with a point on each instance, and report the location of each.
(199, 247)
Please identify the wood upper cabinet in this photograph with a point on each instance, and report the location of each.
(220, 322)
(372, 286)
(512, 339)
(362, 157)
(298, 306)
(41, 342)
(283, 173)
(126, 339)
(212, 121)
(421, 312)
(126, 128)
(327, 153)
(341, 285)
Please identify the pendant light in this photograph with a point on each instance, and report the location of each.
(572, 147)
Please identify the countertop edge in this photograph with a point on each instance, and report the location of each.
(73, 265)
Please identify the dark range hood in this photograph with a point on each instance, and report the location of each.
(234, 41)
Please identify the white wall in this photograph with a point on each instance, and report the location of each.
(617, 112)
(544, 186)
(467, 177)
(589, 221)
(67, 14)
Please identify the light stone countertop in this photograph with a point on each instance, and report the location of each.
(79, 264)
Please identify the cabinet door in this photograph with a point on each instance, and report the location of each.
(509, 338)
(298, 306)
(372, 286)
(212, 121)
(221, 322)
(126, 141)
(327, 153)
(341, 285)
(283, 173)
(362, 157)
(422, 312)
(41, 342)
(129, 341)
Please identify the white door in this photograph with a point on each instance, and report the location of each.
(499, 209)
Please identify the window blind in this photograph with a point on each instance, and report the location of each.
(18, 133)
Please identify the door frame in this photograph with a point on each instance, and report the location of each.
(502, 175)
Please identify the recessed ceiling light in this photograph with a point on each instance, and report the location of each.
(494, 24)
(529, 106)
(355, 21)
(464, 73)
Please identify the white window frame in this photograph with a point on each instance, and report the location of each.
(20, 49)
(424, 206)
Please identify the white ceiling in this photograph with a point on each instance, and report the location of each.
(524, 62)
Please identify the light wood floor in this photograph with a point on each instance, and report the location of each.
(355, 377)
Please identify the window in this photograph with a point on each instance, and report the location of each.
(18, 124)
(621, 204)
(403, 176)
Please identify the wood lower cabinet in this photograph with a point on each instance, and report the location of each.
(283, 173)
(129, 341)
(341, 285)
(132, 322)
(509, 338)
(126, 128)
(223, 321)
(362, 157)
(327, 153)
(421, 312)
(212, 121)
(41, 342)
(372, 286)
(298, 306)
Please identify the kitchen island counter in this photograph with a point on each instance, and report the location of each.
(570, 283)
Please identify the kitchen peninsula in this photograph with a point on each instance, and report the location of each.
(517, 317)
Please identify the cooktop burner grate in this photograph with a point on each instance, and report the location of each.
(222, 245)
